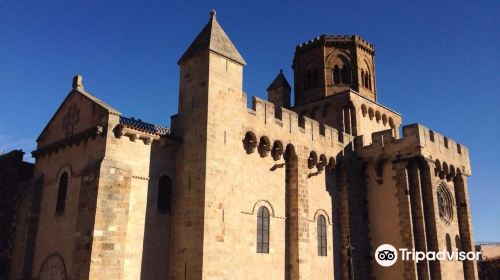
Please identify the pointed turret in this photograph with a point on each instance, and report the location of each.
(213, 38)
(210, 64)
(279, 81)
(211, 103)
(279, 91)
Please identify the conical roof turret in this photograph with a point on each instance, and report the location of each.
(279, 81)
(212, 37)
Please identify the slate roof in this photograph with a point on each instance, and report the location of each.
(144, 126)
(279, 81)
(213, 38)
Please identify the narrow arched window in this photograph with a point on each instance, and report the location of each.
(62, 190)
(263, 230)
(336, 75)
(346, 74)
(321, 235)
(165, 194)
(363, 77)
(448, 243)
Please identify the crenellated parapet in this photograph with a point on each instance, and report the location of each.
(337, 39)
(291, 121)
(449, 156)
(270, 129)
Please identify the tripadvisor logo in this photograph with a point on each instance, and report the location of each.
(387, 255)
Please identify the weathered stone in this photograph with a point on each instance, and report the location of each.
(183, 203)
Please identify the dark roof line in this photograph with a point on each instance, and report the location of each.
(144, 126)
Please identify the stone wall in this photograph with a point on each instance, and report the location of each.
(432, 200)
(15, 212)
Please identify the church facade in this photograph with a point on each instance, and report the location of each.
(274, 191)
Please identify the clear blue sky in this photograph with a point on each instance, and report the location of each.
(437, 63)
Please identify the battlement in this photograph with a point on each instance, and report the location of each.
(417, 140)
(287, 126)
(266, 111)
(336, 39)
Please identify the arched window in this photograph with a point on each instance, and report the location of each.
(263, 230)
(321, 235)
(367, 77)
(346, 74)
(458, 244)
(336, 75)
(61, 193)
(448, 243)
(165, 194)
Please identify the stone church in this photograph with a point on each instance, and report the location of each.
(275, 191)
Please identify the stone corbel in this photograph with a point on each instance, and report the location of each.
(133, 135)
(147, 140)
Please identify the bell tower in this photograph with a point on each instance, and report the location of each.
(331, 64)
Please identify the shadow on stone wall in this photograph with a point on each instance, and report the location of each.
(157, 228)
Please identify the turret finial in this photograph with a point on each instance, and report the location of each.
(281, 71)
(78, 82)
(213, 14)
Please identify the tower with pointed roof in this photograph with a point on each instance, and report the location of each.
(279, 90)
(211, 84)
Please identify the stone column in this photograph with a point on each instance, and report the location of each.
(353, 219)
(303, 217)
(405, 208)
(427, 186)
(418, 220)
(343, 220)
(291, 225)
(465, 224)
(297, 222)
